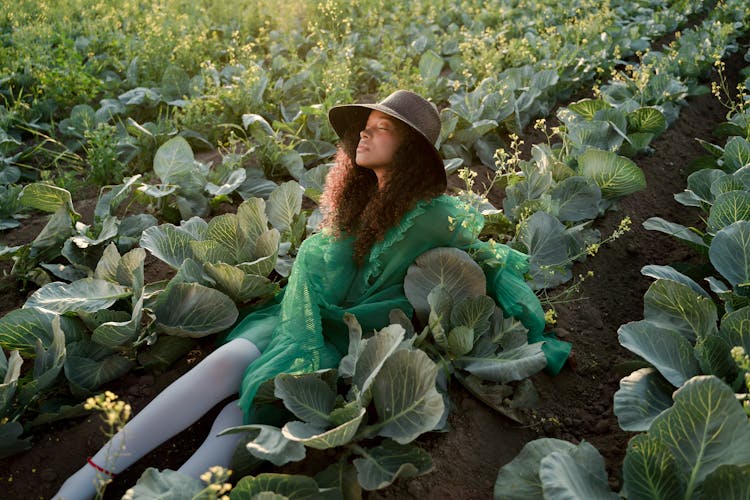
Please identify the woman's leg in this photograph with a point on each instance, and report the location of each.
(175, 408)
(216, 450)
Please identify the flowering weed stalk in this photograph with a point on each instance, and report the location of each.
(217, 485)
(550, 132)
(572, 292)
(569, 293)
(115, 415)
(622, 228)
(735, 104)
(475, 200)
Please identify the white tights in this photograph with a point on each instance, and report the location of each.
(179, 405)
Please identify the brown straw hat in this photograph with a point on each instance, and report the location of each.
(418, 113)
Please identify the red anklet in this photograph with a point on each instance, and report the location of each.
(100, 469)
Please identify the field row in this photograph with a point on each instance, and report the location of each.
(692, 392)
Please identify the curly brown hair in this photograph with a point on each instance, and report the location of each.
(353, 204)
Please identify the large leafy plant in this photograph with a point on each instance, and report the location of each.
(48, 243)
(11, 210)
(110, 316)
(66, 237)
(466, 331)
(96, 327)
(60, 327)
(187, 185)
(300, 138)
(679, 337)
(133, 112)
(10, 175)
(694, 449)
(510, 99)
(594, 123)
(721, 190)
(644, 86)
(379, 400)
(48, 364)
(552, 204)
(106, 317)
(236, 252)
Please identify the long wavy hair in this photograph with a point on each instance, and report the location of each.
(353, 204)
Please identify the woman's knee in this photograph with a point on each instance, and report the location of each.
(230, 360)
(229, 416)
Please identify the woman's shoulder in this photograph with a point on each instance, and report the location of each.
(452, 207)
(443, 202)
(428, 211)
(458, 214)
(325, 238)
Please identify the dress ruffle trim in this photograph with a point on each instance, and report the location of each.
(397, 232)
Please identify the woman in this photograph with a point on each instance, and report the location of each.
(383, 207)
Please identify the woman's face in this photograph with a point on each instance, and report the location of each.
(378, 142)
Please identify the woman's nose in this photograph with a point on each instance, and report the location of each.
(364, 133)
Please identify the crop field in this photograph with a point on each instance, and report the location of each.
(162, 162)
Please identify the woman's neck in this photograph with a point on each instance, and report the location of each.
(382, 179)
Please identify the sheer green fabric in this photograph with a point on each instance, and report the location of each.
(301, 330)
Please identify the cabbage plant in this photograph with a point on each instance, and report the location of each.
(17, 394)
(172, 484)
(131, 135)
(553, 206)
(285, 151)
(235, 253)
(509, 100)
(104, 319)
(695, 449)
(47, 245)
(467, 332)
(721, 190)
(681, 334)
(92, 329)
(370, 409)
(595, 123)
(679, 337)
(11, 209)
(739, 123)
(82, 119)
(64, 235)
(10, 430)
(664, 91)
(182, 178)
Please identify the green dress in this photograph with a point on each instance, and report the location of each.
(302, 330)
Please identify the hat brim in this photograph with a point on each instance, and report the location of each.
(347, 117)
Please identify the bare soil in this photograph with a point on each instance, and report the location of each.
(576, 405)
